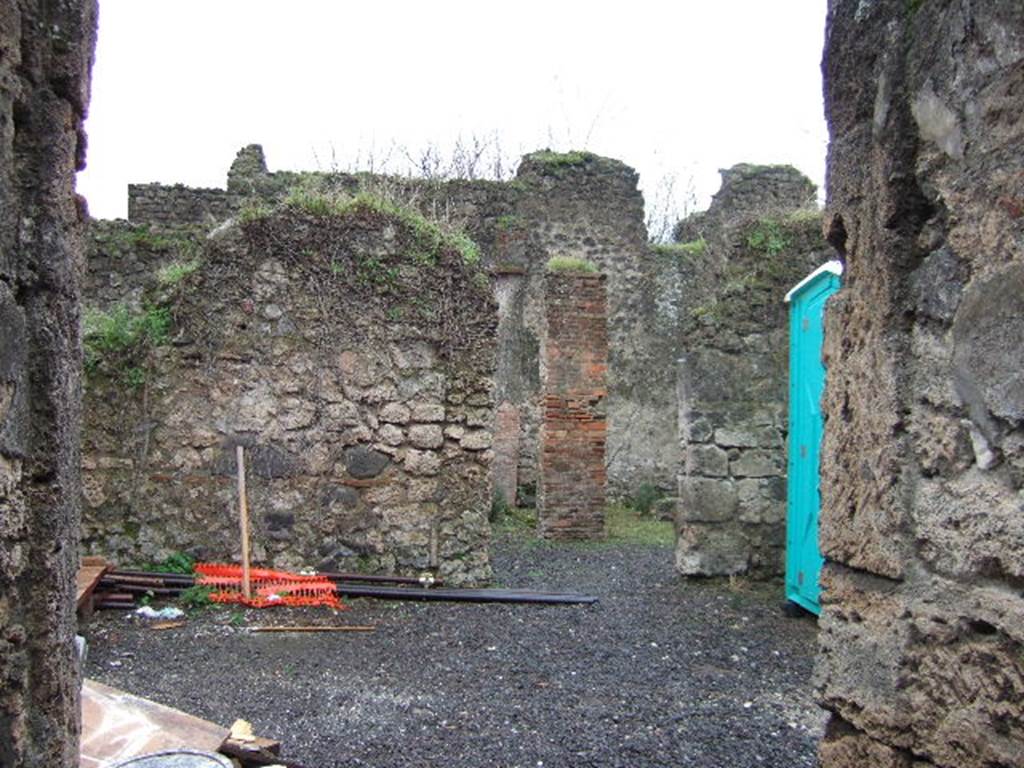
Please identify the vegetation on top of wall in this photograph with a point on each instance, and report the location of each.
(549, 162)
(430, 236)
(679, 250)
(561, 159)
(570, 264)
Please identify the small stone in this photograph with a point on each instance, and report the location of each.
(395, 413)
(422, 462)
(478, 417)
(736, 438)
(272, 312)
(708, 460)
(391, 435)
(454, 432)
(426, 436)
(757, 463)
(428, 412)
(476, 440)
(338, 416)
(364, 463)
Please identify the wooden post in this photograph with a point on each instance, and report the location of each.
(243, 518)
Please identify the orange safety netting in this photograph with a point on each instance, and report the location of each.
(268, 588)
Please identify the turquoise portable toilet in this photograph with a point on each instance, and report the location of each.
(806, 385)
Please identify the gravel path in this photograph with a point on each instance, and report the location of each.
(661, 672)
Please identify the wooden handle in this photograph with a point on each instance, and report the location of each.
(243, 520)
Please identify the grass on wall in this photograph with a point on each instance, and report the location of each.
(571, 264)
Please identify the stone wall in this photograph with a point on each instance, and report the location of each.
(179, 206)
(45, 57)
(574, 204)
(733, 368)
(922, 630)
(575, 390)
(126, 261)
(352, 353)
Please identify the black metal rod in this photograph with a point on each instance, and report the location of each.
(464, 595)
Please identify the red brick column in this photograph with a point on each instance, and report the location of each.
(573, 478)
(505, 467)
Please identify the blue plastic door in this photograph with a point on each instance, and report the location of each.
(806, 385)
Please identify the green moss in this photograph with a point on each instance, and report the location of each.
(561, 160)
(429, 237)
(680, 250)
(570, 264)
(171, 274)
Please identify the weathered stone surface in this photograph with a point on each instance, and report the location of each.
(846, 747)
(46, 54)
(757, 463)
(707, 460)
(476, 440)
(426, 436)
(710, 551)
(988, 352)
(422, 462)
(944, 680)
(743, 256)
(434, 413)
(921, 662)
(325, 410)
(707, 500)
(395, 413)
(363, 463)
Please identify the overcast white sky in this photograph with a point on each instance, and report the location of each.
(672, 87)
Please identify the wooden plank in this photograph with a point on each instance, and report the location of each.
(88, 577)
(117, 726)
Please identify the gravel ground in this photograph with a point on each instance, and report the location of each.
(660, 672)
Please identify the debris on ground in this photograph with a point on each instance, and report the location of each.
(167, 613)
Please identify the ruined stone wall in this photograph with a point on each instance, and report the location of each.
(179, 206)
(574, 431)
(733, 368)
(45, 57)
(922, 525)
(574, 204)
(352, 355)
(126, 261)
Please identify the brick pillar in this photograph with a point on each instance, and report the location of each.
(573, 478)
(505, 468)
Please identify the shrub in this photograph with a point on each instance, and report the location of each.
(767, 237)
(645, 497)
(196, 597)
